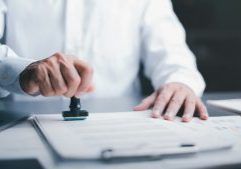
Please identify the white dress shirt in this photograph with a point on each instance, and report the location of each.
(114, 36)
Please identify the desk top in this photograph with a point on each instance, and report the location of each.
(23, 142)
(55, 105)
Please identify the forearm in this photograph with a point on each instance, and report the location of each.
(11, 65)
(187, 75)
(167, 57)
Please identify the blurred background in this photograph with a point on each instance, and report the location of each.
(213, 30)
(214, 34)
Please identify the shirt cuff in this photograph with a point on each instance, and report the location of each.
(10, 69)
(193, 80)
(15, 88)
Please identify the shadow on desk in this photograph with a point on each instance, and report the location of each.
(20, 164)
(231, 166)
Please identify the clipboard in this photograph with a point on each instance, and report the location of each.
(82, 151)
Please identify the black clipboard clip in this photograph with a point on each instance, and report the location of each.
(147, 153)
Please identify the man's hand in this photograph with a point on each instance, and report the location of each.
(57, 75)
(169, 99)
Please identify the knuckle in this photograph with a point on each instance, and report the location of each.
(162, 98)
(71, 82)
(176, 101)
(59, 56)
(31, 69)
(39, 69)
(181, 89)
(167, 86)
(50, 61)
(89, 70)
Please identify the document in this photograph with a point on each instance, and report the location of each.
(126, 135)
(231, 105)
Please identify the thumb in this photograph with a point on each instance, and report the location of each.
(27, 84)
(90, 89)
(31, 87)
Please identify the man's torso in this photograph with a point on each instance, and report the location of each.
(104, 32)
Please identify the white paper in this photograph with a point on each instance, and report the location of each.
(130, 133)
(231, 105)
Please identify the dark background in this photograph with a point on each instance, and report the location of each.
(213, 30)
(214, 35)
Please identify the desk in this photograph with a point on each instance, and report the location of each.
(22, 141)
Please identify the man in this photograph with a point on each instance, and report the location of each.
(112, 36)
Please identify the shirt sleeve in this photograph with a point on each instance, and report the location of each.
(11, 65)
(167, 57)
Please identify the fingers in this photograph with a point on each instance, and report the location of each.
(86, 74)
(28, 81)
(33, 88)
(71, 78)
(189, 108)
(174, 105)
(171, 98)
(146, 103)
(161, 101)
(201, 109)
(45, 87)
(57, 81)
(57, 75)
(42, 79)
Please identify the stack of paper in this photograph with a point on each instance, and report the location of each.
(231, 105)
(128, 135)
